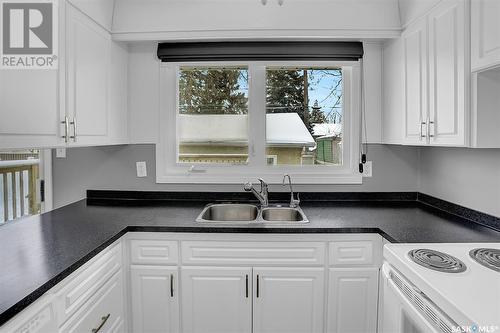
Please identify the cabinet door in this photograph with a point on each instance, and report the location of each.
(88, 62)
(30, 103)
(352, 300)
(485, 34)
(415, 83)
(288, 300)
(29, 110)
(216, 299)
(448, 88)
(155, 299)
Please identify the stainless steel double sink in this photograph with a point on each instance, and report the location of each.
(234, 213)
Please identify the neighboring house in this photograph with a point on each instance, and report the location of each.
(224, 139)
(327, 129)
(329, 143)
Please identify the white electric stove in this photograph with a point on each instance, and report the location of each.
(441, 288)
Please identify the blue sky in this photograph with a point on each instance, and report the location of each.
(320, 89)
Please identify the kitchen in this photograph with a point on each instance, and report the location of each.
(250, 166)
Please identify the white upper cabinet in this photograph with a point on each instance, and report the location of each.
(88, 53)
(288, 300)
(415, 82)
(30, 103)
(448, 76)
(136, 20)
(82, 103)
(436, 79)
(485, 34)
(29, 108)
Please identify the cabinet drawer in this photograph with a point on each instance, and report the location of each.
(153, 252)
(86, 282)
(352, 253)
(250, 253)
(104, 310)
(37, 318)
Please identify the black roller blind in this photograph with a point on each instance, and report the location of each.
(248, 51)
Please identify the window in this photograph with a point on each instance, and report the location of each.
(233, 122)
(19, 176)
(304, 115)
(213, 115)
(272, 159)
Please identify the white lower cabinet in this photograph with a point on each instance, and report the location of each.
(154, 294)
(220, 299)
(288, 300)
(352, 300)
(104, 313)
(248, 283)
(216, 299)
(39, 317)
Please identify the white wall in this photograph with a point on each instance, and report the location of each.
(143, 92)
(394, 169)
(468, 177)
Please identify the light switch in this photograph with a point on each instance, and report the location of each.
(141, 169)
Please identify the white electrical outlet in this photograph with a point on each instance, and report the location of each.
(61, 152)
(367, 169)
(141, 169)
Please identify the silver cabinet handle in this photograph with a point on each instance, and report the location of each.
(429, 132)
(422, 135)
(171, 285)
(103, 321)
(66, 129)
(246, 286)
(257, 286)
(74, 129)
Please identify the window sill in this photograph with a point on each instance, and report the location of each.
(271, 178)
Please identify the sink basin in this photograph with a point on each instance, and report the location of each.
(229, 213)
(235, 213)
(283, 214)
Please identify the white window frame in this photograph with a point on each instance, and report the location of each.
(168, 170)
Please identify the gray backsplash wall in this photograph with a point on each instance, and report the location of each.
(468, 177)
(395, 168)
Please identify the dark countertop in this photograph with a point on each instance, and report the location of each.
(38, 252)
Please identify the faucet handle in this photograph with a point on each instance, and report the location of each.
(263, 185)
(248, 186)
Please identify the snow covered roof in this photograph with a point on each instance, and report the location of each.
(327, 129)
(282, 129)
(213, 128)
(287, 129)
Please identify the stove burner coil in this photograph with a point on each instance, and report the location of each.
(487, 257)
(437, 261)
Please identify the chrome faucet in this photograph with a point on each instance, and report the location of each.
(293, 202)
(262, 195)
